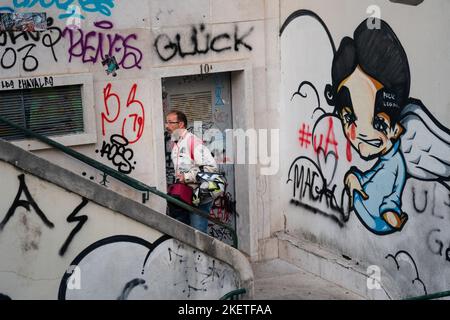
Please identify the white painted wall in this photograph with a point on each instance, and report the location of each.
(110, 257)
(138, 25)
(421, 248)
(267, 77)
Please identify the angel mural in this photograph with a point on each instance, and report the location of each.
(370, 94)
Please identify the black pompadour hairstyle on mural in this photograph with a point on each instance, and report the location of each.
(379, 54)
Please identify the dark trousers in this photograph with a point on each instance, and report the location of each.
(193, 220)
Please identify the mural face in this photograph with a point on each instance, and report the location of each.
(371, 135)
(371, 103)
(367, 159)
(394, 136)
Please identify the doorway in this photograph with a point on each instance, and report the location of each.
(205, 99)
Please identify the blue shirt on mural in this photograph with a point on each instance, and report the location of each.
(384, 184)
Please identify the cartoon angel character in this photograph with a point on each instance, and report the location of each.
(370, 94)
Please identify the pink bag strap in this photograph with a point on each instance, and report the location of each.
(191, 146)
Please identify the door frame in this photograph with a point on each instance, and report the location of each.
(243, 118)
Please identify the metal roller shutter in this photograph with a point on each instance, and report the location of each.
(196, 105)
(48, 111)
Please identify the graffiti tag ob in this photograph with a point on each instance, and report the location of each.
(369, 95)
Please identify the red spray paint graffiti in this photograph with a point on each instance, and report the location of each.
(307, 139)
(134, 111)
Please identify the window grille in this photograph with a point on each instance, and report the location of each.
(196, 105)
(49, 111)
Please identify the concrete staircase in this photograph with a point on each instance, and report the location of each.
(66, 237)
(280, 280)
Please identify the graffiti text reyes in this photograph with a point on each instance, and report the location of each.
(95, 46)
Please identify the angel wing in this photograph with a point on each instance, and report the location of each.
(425, 145)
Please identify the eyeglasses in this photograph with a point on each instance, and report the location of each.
(172, 122)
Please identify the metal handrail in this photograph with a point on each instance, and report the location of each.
(431, 296)
(136, 184)
(234, 295)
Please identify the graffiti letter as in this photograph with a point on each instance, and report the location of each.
(29, 202)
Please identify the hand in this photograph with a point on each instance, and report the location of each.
(395, 220)
(352, 184)
(180, 177)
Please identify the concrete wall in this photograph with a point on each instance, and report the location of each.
(119, 105)
(150, 40)
(156, 39)
(318, 154)
(62, 237)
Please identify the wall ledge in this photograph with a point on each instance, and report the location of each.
(43, 169)
(330, 266)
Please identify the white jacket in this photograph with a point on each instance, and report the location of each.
(188, 161)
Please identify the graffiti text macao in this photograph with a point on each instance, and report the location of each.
(101, 6)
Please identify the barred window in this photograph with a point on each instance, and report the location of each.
(197, 106)
(51, 111)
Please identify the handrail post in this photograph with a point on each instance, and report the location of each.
(145, 196)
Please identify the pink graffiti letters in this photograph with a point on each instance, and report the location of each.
(94, 46)
(327, 143)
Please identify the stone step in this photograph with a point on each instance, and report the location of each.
(280, 280)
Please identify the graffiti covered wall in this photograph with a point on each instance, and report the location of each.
(80, 39)
(58, 245)
(367, 140)
(120, 45)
